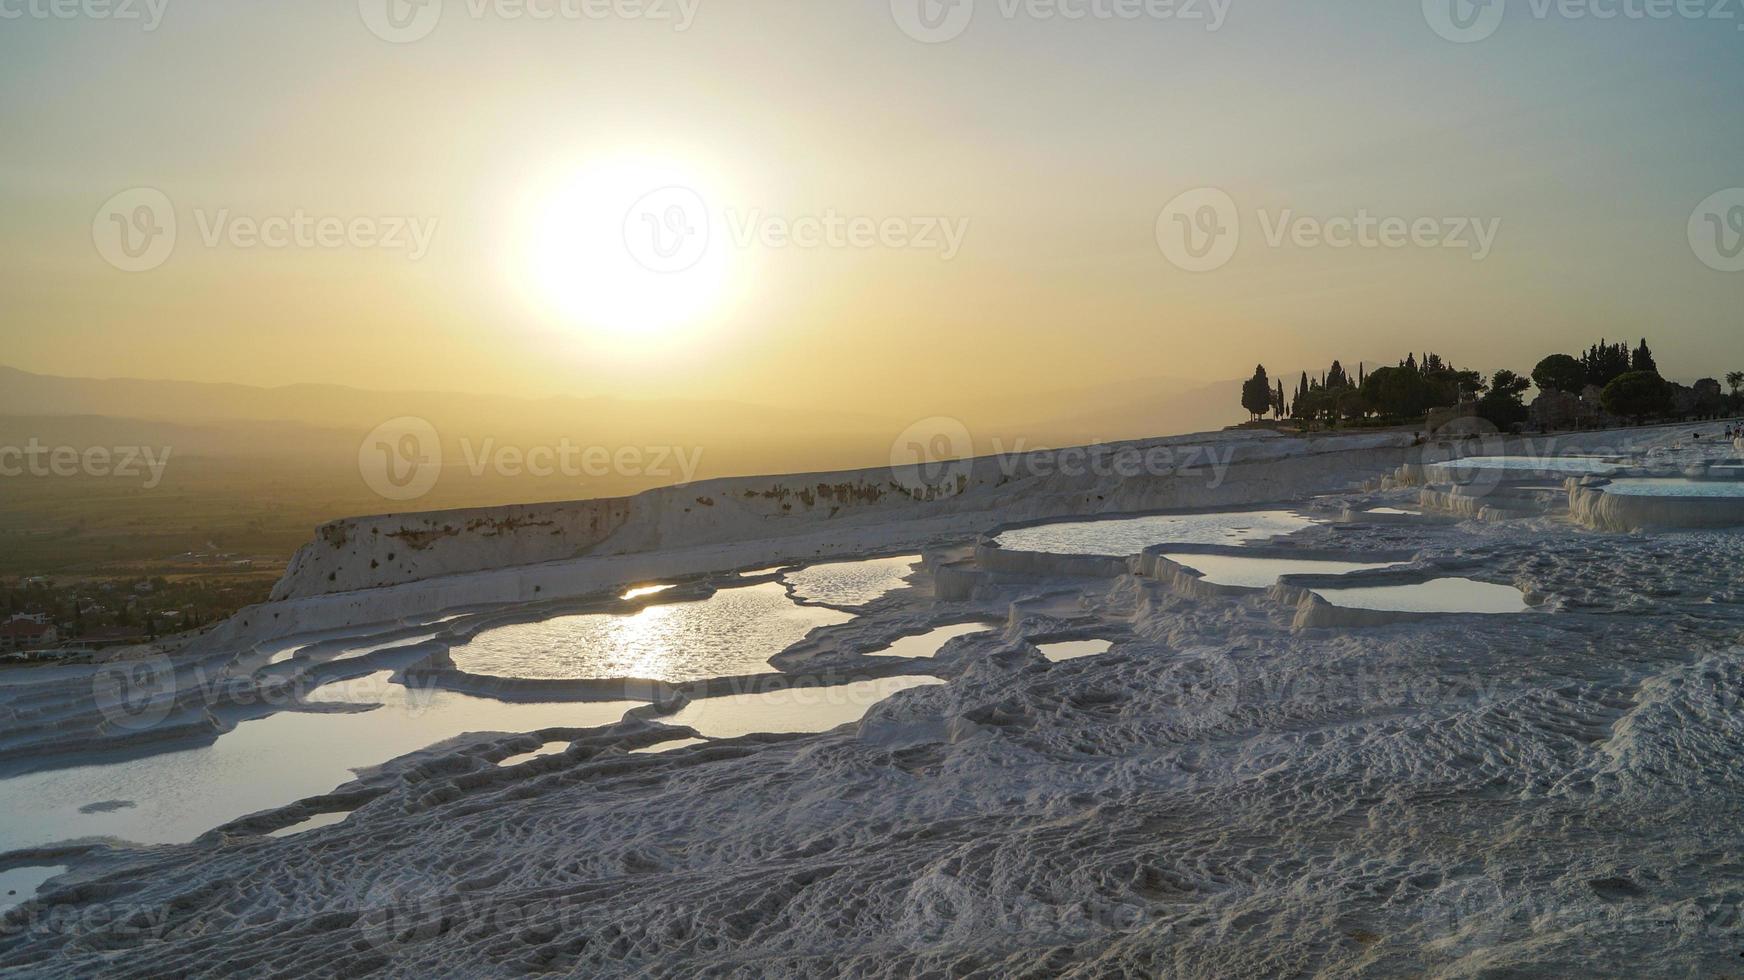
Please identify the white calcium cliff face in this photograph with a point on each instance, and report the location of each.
(371, 552)
(1198, 471)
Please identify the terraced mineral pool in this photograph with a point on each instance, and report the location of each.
(317, 821)
(19, 885)
(1394, 511)
(1562, 465)
(549, 748)
(1259, 573)
(851, 583)
(1651, 487)
(796, 709)
(644, 590)
(929, 643)
(735, 631)
(1442, 595)
(667, 746)
(1074, 649)
(265, 763)
(280, 650)
(328, 652)
(1129, 536)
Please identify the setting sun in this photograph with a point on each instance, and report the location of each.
(625, 247)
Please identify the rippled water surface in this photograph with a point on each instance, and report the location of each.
(735, 631)
(851, 583)
(261, 764)
(798, 709)
(1129, 536)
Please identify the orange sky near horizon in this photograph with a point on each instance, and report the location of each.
(886, 219)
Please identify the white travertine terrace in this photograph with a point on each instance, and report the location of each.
(1248, 782)
(1592, 505)
(349, 572)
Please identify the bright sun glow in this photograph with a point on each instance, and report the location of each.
(627, 247)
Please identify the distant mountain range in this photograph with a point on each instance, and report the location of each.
(329, 421)
(254, 470)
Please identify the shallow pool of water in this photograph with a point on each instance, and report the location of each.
(20, 884)
(667, 746)
(261, 764)
(735, 631)
(314, 822)
(928, 644)
(1566, 465)
(1394, 511)
(364, 645)
(642, 590)
(1074, 649)
(851, 583)
(1650, 487)
(1259, 573)
(1442, 595)
(797, 709)
(1129, 536)
(549, 748)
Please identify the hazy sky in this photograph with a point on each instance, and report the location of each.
(523, 148)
